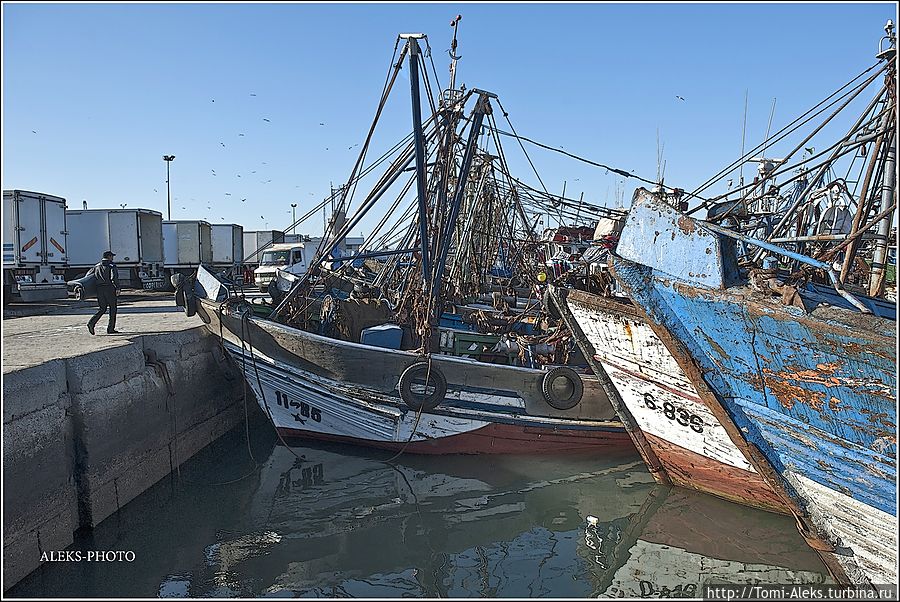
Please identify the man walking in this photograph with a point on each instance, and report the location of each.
(107, 275)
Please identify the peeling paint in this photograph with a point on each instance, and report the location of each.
(686, 225)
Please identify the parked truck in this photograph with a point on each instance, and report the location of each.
(186, 244)
(295, 255)
(34, 246)
(291, 257)
(134, 235)
(254, 242)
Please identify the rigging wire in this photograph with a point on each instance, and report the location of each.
(791, 127)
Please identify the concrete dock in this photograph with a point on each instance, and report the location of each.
(91, 422)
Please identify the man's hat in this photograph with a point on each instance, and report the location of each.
(108, 255)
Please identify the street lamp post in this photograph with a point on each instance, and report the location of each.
(293, 218)
(168, 159)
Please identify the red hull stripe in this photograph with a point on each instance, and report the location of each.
(693, 471)
(495, 439)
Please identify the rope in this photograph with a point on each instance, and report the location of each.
(791, 127)
(245, 320)
(418, 416)
(620, 172)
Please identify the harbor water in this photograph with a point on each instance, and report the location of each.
(332, 520)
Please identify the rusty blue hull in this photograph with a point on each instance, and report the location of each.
(806, 391)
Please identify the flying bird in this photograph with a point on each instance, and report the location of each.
(252, 94)
(321, 124)
(34, 131)
(240, 134)
(264, 119)
(242, 200)
(239, 175)
(154, 190)
(679, 97)
(253, 171)
(223, 144)
(227, 194)
(214, 100)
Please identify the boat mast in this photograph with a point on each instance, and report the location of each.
(876, 280)
(421, 183)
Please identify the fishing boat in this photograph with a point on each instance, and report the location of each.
(318, 387)
(787, 340)
(807, 395)
(680, 439)
(406, 355)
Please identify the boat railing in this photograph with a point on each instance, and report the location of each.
(832, 275)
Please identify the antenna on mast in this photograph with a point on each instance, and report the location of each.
(660, 164)
(453, 57)
(744, 136)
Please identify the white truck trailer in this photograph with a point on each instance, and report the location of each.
(34, 246)
(186, 244)
(227, 245)
(134, 235)
(228, 250)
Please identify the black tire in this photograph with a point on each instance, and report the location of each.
(416, 375)
(79, 293)
(563, 397)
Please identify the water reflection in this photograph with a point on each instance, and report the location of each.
(337, 521)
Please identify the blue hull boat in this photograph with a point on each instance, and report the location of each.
(804, 383)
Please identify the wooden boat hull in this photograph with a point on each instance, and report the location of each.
(321, 388)
(808, 396)
(691, 447)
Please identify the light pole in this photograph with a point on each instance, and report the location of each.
(293, 218)
(168, 159)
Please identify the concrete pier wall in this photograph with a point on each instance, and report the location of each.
(85, 435)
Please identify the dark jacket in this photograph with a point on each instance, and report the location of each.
(106, 273)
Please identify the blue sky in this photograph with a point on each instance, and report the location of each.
(95, 94)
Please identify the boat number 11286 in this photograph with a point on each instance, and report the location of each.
(673, 412)
(306, 410)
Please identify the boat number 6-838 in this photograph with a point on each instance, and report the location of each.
(673, 412)
(306, 410)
